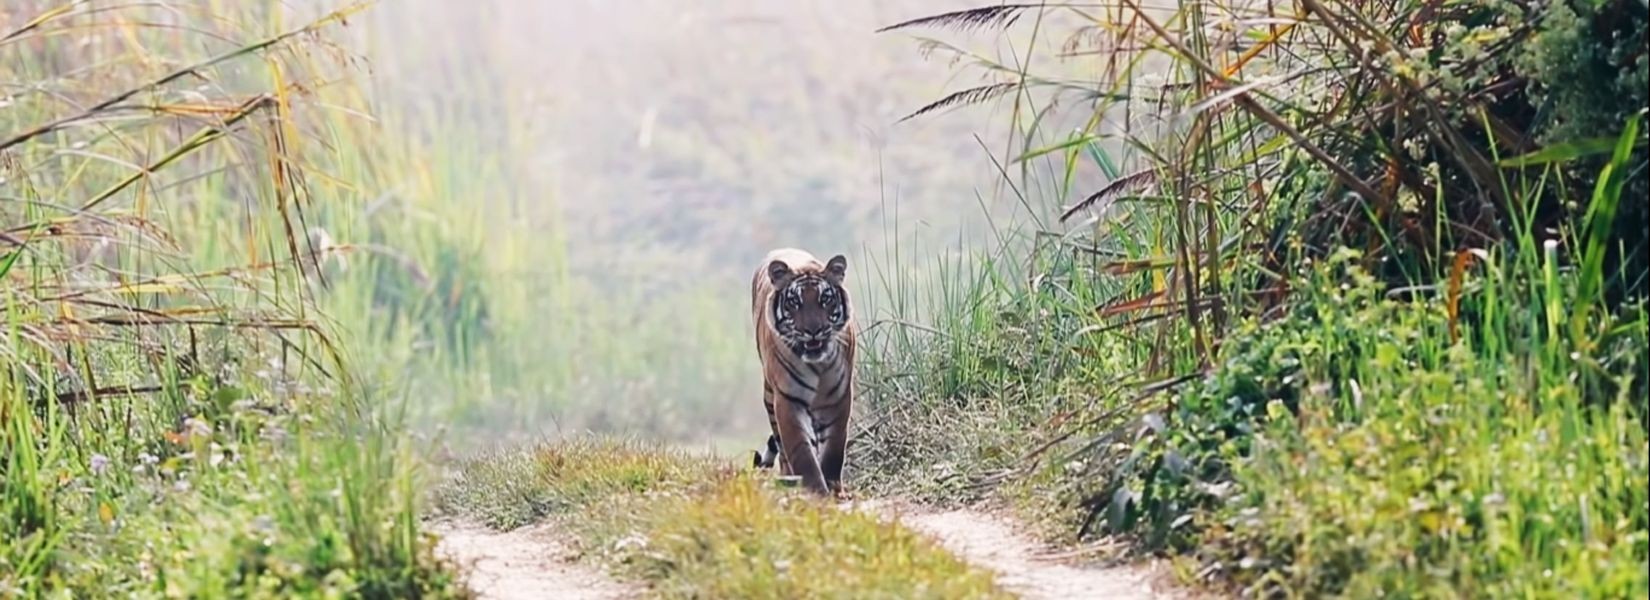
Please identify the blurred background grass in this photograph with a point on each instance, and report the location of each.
(561, 232)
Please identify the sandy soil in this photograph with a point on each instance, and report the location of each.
(529, 563)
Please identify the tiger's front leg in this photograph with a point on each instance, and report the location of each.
(832, 454)
(797, 450)
(833, 432)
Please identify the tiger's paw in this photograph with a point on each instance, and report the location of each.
(841, 493)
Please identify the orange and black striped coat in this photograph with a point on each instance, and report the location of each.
(805, 339)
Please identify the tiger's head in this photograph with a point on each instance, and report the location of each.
(810, 307)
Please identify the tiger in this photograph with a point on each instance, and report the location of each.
(805, 338)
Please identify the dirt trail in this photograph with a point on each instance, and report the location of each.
(532, 562)
(529, 563)
(1023, 566)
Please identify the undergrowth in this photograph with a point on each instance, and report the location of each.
(1359, 312)
(1349, 447)
(694, 527)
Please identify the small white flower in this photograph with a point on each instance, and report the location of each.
(100, 463)
(1415, 148)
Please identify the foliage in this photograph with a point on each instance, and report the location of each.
(1338, 323)
(1350, 447)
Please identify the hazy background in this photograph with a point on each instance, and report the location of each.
(693, 137)
(567, 240)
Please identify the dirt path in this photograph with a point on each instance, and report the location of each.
(532, 562)
(529, 563)
(1023, 566)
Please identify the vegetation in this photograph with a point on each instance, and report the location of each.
(1437, 467)
(1359, 310)
(175, 421)
(694, 527)
(1324, 298)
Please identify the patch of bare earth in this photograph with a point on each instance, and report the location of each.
(1022, 565)
(531, 562)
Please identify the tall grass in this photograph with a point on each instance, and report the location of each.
(175, 418)
(1350, 314)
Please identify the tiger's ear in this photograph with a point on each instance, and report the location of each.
(837, 268)
(778, 272)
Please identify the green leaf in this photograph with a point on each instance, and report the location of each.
(1564, 152)
(226, 396)
(1601, 216)
(1101, 158)
(10, 259)
(1074, 141)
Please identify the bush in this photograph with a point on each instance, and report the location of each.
(1588, 73)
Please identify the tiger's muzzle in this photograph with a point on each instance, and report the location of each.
(815, 347)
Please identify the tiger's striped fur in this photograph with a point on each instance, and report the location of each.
(805, 338)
